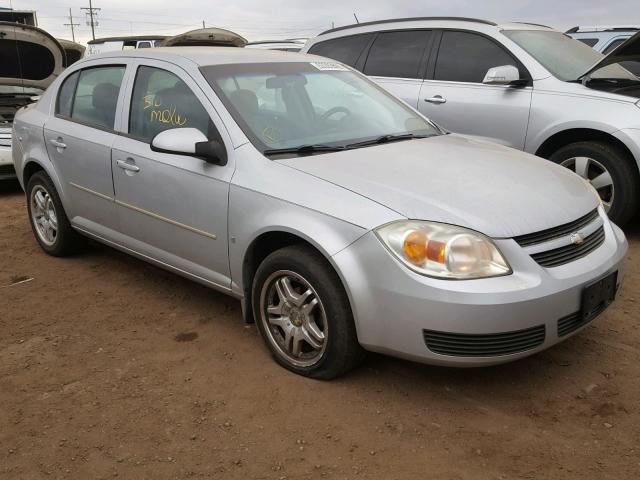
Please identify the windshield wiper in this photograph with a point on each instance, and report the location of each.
(386, 139)
(303, 149)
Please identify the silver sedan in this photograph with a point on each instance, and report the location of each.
(342, 219)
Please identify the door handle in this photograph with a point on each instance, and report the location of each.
(128, 165)
(436, 99)
(58, 143)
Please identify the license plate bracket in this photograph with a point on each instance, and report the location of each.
(597, 296)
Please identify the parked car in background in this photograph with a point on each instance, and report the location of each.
(73, 51)
(526, 86)
(110, 44)
(30, 60)
(206, 37)
(606, 40)
(342, 218)
(291, 45)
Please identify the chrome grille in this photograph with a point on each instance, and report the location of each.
(569, 253)
(5, 137)
(556, 232)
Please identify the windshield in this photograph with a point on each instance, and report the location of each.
(292, 105)
(566, 58)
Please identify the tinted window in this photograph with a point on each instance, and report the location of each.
(466, 57)
(162, 101)
(397, 54)
(346, 49)
(613, 45)
(588, 41)
(65, 95)
(96, 96)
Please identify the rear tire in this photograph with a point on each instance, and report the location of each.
(303, 314)
(48, 219)
(612, 172)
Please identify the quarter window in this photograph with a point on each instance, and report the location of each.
(96, 96)
(65, 95)
(345, 49)
(397, 54)
(161, 101)
(466, 57)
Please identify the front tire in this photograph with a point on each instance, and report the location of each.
(610, 171)
(303, 314)
(48, 219)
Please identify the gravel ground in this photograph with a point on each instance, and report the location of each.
(113, 368)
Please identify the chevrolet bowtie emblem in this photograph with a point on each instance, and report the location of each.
(577, 238)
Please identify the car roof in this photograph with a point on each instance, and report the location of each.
(443, 22)
(206, 56)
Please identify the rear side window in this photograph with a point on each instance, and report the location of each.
(613, 45)
(346, 49)
(96, 96)
(397, 54)
(588, 41)
(466, 57)
(161, 101)
(65, 95)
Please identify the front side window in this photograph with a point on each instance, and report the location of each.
(467, 57)
(161, 101)
(290, 105)
(566, 58)
(96, 96)
(397, 54)
(344, 49)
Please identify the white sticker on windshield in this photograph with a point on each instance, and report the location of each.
(330, 66)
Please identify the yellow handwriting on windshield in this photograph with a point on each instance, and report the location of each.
(166, 116)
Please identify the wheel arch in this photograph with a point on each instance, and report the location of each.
(573, 135)
(267, 242)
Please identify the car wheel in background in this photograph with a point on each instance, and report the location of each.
(303, 314)
(48, 219)
(610, 171)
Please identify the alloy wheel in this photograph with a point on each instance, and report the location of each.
(293, 318)
(43, 215)
(596, 174)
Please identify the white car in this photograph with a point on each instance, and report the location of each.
(23, 77)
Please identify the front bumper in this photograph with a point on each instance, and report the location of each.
(394, 307)
(7, 170)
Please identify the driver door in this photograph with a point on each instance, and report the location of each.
(454, 96)
(172, 207)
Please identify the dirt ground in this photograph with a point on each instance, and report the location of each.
(113, 368)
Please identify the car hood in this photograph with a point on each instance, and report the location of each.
(629, 51)
(206, 37)
(30, 56)
(453, 179)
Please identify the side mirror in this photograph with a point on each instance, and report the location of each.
(191, 142)
(504, 75)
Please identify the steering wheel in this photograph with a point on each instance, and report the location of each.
(332, 111)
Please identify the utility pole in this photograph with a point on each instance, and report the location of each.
(354, 16)
(71, 24)
(203, 24)
(91, 11)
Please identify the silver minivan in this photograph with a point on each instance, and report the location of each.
(342, 219)
(526, 86)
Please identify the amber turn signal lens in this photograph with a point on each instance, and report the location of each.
(415, 247)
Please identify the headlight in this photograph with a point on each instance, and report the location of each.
(443, 251)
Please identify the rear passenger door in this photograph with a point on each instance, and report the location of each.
(79, 138)
(396, 60)
(172, 208)
(455, 97)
